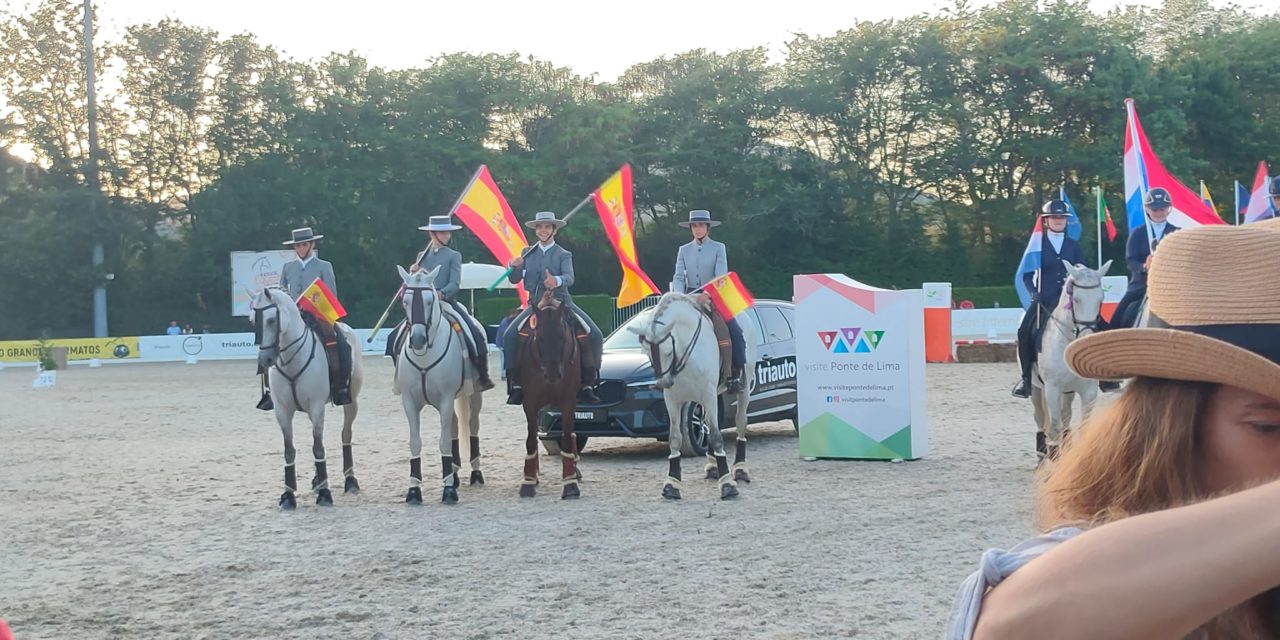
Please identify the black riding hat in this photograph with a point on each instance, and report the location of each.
(1055, 207)
(1158, 198)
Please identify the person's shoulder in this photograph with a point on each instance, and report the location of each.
(717, 244)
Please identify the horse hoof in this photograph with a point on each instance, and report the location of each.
(741, 476)
(570, 492)
(414, 496)
(324, 498)
(477, 478)
(577, 474)
(670, 493)
(527, 491)
(713, 474)
(287, 501)
(351, 485)
(450, 495)
(728, 492)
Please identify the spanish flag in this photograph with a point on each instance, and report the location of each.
(729, 295)
(321, 302)
(484, 211)
(617, 214)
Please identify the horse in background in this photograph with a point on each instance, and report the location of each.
(294, 359)
(1076, 316)
(551, 374)
(685, 356)
(433, 368)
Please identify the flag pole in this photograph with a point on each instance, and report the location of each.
(399, 292)
(530, 247)
(1237, 190)
(1097, 197)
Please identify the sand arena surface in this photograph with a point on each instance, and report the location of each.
(139, 501)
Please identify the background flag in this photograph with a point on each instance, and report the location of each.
(1143, 171)
(484, 211)
(1242, 200)
(1259, 207)
(319, 300)
(1204, 195)
(1111, 226)
(617, 214)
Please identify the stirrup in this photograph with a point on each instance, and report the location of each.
(266, 404)
(1022, 389)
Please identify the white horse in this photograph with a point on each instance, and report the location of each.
(298, 372)
(1075, 316)
(687, 366)
(433, 369)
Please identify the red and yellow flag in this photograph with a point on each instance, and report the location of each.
(617, 214)
(321, 302)
(729, 295)
(484, 211)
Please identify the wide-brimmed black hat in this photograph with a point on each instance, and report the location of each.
(304, 234)
(700, 216)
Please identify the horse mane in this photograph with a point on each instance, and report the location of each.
(666, 301)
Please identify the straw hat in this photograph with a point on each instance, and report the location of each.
(1213, 301)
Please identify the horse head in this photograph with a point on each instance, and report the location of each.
(421, 305)
(551, 332)
(1082, 295)
(267, 319)
(667, 315)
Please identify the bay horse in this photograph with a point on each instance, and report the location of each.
(686, 362)
(1076, 316)
(294, 359)
(433, 368)
(551, 375)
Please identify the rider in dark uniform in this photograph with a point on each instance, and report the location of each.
(1055, 246)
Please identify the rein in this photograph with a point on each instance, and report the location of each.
(678, 364)
(427, 319)
(280, 360)
(568, 352)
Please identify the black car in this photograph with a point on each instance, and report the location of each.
(631, 408)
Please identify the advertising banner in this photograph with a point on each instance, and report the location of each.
(253, 271)
(861, 378)
(77, 349)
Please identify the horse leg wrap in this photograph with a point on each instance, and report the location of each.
(673, 470)
(415, 472)
(446, 471)
(531, 469)
(722, 467)
(348, 467)
(567, 462)
(321, 481)
(475, 452)
(290, 478)
(740, 456)
(457, 457)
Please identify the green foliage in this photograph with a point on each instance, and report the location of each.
(896, 152)
(987, 297)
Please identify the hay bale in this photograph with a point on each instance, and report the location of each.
(987, 352)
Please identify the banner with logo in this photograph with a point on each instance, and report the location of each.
(253, 271)
(861, 377)
(77, 349)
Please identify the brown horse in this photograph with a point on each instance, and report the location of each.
(551, 374)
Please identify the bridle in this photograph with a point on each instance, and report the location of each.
(427, 318)
(283, 358)
(678, 362)
(1078, 327)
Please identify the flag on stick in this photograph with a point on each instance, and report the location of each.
(320, 301)
(617, 214)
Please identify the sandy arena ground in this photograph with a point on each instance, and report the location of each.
(139, 501)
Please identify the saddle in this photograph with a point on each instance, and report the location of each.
(589, 359)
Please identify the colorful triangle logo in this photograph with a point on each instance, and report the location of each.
(862, 346)
(841, 348)
(850, 334)
(874, 338)
(827, 337)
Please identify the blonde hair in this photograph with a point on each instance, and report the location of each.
(1140, 455)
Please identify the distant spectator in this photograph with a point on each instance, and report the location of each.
(188, 330)
(206, 329)
(174, 329)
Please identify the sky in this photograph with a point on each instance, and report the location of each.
(591, 36)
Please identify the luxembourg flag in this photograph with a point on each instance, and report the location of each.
(1031, 255)
(1144, 171)
(1259, 207)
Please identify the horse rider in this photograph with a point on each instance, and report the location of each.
(1138, 250)
(448, 283)
(1055, 246)
(295, 277)
(698, 263)
(547, 266)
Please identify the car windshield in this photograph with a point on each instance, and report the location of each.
(623, 339)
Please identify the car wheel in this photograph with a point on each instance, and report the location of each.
(552, 447)
(695, 432)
